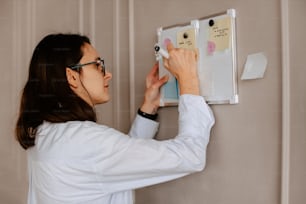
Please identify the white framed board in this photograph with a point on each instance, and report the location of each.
(214, 37)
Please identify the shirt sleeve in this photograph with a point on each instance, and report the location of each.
(143, 128)
(126, 163)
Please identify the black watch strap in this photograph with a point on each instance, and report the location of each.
(147, 115)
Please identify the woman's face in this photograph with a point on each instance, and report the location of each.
(92, 78)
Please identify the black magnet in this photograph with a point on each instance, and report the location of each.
(211, 22)
(185, 35)
(156, 48)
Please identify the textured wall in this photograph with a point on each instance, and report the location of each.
(297, 43)
(244, 155)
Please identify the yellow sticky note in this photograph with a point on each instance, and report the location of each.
(220, 34)
(186, 39)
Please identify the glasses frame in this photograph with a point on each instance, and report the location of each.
(98, 62)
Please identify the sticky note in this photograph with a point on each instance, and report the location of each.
(186, 39)
(255, 66)
(219, 34)
(166, 42)
(211, 47)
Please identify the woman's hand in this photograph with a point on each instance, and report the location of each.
(182, 63)
(152, 93)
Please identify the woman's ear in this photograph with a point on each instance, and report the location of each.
(72, 77)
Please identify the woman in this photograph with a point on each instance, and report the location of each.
(71, 158)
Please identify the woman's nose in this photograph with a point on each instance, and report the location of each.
(108, 75)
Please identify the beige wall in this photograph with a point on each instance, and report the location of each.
(297, 43)
(245, 152)
(244, 156)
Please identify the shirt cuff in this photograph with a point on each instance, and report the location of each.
(143, 128)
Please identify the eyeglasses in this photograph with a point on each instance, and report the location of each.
(98, 62)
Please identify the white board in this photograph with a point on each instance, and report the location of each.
(215, 39)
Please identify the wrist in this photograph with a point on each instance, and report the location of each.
(149, 108)
(189, 86)
(147, 115)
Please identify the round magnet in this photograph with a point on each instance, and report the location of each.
(211, 22)
(156, 48)
(185, 35)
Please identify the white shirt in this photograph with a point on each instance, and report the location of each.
(88, 163)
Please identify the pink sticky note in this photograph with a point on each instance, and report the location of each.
(166, 42)
(211, 47)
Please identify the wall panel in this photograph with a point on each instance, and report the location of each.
(297, 75)
(12, 166)
(244, 155)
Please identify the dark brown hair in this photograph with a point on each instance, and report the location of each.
(47, 95)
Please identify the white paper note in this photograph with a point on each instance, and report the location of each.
(255, 66)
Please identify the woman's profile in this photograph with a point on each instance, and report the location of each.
(72, 158)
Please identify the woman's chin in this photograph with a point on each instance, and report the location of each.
(102, 101)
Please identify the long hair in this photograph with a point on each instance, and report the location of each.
(47, 95)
